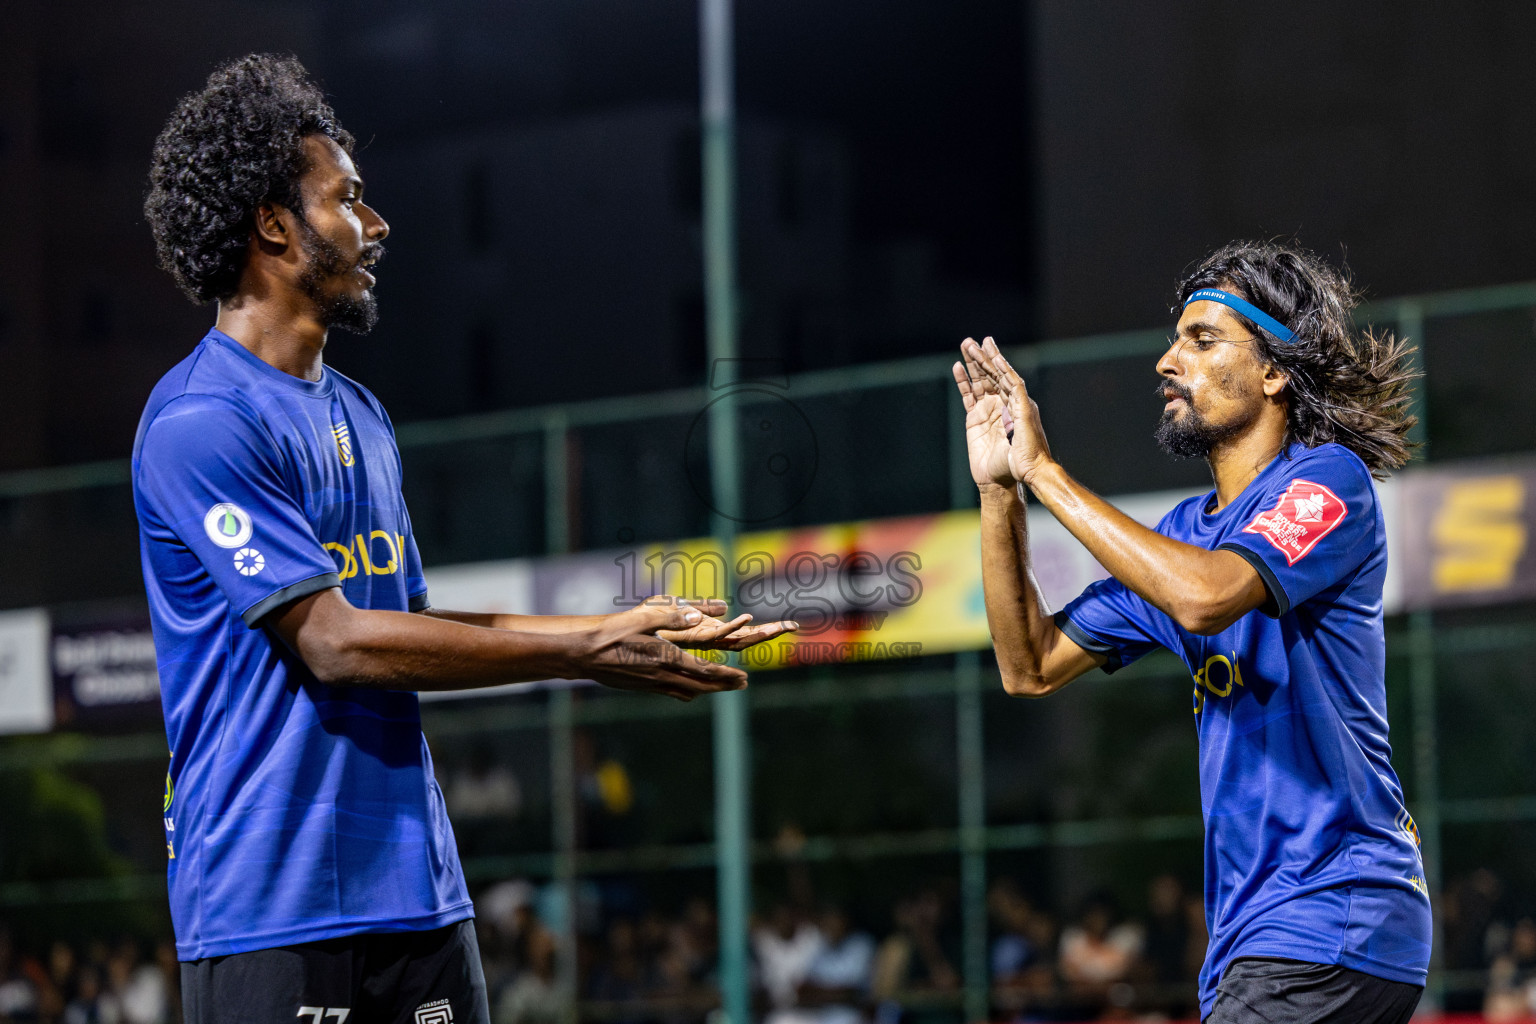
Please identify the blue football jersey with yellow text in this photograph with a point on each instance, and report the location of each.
(295, 811)
(1310, 853)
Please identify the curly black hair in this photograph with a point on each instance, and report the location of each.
(226, 150)
(1346, 387)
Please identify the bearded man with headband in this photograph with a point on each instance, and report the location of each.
(1270, 589)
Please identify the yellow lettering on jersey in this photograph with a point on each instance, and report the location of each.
(1217, 681)
(362, 555)
(348, 563)
(394, 552)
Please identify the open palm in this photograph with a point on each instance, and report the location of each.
(986, 431)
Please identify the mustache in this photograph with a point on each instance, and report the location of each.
(373, 252)
(1166, 386)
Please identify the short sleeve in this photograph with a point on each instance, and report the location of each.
(415, 577)
(1313, 528)
(1108, 619)
(213, 476)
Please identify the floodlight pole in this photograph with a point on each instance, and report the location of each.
(729, 710)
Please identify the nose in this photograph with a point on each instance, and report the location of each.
(1169, 365)
(374, 226)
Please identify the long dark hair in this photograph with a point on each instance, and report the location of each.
(1347, 387)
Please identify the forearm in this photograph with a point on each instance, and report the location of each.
(1021, 631)
(1202, 590)
(519, 623)
(350, 646)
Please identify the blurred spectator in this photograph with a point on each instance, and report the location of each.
(56, 985)
(84, 1005)
(1167, 933)
(484, 800)
(498, 913)
(702, 931)
(673, 985)
(784, 949)
(170, 974)
(1021, 951)
(606, 792)
(532, 997)
(619, 974)
(1174, 947)
(913, 959)
(18, 992)
(661, 968)
(141, 989)
(1468, 912)
(119, 974)
(1512, 978)
(482, 788)
(836, 984)
(1098, 951)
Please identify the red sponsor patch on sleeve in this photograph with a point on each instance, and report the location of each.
(1305, 514)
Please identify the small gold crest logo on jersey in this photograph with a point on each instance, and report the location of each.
(343, 437)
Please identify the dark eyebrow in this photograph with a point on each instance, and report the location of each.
(1202, 325)
(353, 183)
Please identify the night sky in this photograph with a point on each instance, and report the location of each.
(1032, 170)
(931, 97)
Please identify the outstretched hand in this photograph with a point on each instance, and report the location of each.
(1004, 436)
(643, 649)
(713, 634)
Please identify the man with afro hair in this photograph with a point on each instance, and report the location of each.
(313, 874)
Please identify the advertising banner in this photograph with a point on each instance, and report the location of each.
(1465, 534)
(26, 691)
(104, 673)
(1459, 536)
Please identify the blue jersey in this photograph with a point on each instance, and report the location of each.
(295, 811)
(1310, 853)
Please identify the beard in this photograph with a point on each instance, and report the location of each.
(355, 314)
(1190, 436)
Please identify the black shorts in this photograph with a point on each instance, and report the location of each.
(1261, 990)
(382, 978)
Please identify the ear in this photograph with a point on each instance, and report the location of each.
(273, 224)
(1275, 381)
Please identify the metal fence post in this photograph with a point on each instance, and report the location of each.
(562, 784)
(969, 752)
(1422, 683)
(1426, 777)
(973, 834)
(729, 710)
(562, 763)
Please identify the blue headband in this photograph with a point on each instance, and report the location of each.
(1248, 310)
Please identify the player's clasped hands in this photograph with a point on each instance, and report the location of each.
(647, 648)
(1004, 438)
